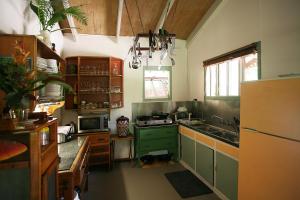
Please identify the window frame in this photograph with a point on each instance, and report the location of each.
(157, 68)
(229, 56)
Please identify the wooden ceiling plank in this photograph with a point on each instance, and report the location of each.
(186, 16)
(102, 16)
(164, 15)
(150, 11)
(119, 18)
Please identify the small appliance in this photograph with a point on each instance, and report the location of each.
(155, 119)
(93, 122)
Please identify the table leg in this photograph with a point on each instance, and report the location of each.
(130, 150)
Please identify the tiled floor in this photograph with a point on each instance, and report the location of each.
(126, 182)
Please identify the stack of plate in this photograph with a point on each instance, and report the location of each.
(47, 65)
(52, 66)
(41, 64)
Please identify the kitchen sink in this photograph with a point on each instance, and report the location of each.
(217, 132)
(192, 122)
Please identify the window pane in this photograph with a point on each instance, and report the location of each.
(157, 84)
(250, 68)
(213, 80)
(223, 79)
(233, 77)
(207, 81)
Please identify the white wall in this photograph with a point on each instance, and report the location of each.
(92, 45)
(236, 23)
(16, 17)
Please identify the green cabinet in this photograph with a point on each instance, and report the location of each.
(205, 162)
(156, 138)
(227, 175)
(188, 151)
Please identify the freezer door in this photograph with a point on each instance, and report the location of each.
(269, 167)
(272, 106)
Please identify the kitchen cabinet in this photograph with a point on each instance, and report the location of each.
(205, 162)
(97, 81)
(188, 151)
(155, 138)
(227, 175)
(213, 160)
(33, 173)
(100, 148)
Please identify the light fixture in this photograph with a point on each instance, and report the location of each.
(161, 41)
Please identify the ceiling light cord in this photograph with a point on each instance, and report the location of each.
(140, 16)
(129, 17)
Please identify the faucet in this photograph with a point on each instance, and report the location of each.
(216, 116)
(190, 114)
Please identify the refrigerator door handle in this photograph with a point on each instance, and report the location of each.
(250, 129)
(269, 134)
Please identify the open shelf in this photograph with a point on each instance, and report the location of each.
(94, 80)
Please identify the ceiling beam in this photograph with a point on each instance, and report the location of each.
(164, 15)
(71, 21)
(119, 19)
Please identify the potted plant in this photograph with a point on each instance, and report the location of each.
(48, 16)
(18, 83)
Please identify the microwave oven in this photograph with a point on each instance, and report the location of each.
(92, 123)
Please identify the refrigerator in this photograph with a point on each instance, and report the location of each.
(269, 156)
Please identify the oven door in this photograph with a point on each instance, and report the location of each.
(89, 123)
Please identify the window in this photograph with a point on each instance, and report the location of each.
(157, 83)
(224, 73)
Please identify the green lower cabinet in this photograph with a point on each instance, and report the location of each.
(156, 138)
(188, 151)
(227, 175)
(205, 162)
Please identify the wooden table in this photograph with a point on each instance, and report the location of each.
(114, 138)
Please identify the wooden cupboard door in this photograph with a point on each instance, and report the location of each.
(188, 151)
(272, 106)
(50, 183)
(227, 176)
(205, 162)
(269, 167)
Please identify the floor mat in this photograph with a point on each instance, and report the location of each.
(187, 184)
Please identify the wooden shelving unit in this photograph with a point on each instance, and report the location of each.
(97, 81)
(36, 48)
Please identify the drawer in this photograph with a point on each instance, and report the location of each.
(99, 148)
(99, 138)
(161, 132)
(98, 159)
(158, 144)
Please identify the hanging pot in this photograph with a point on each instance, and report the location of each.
(123, 126)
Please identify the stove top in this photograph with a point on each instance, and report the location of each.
(153, 120)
